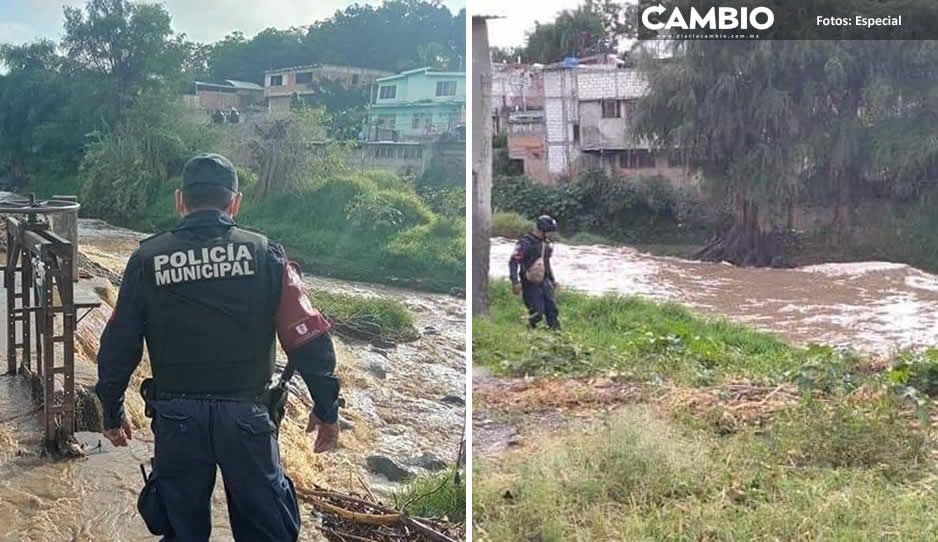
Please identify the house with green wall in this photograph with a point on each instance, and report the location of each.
(416, 105)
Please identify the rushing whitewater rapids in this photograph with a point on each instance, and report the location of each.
(403, 403)
(876, 307)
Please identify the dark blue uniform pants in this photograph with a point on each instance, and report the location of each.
(539, 298)
(192, 437)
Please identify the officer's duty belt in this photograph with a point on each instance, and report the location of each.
(234, 397)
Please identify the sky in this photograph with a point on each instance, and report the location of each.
(519, 17)
(201, 20)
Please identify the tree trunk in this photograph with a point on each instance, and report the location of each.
(745, 242)
(481, 166)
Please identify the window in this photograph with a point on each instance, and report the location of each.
(304, 78)
(276, 80)
(576, 133)
(355, 79)
(636, 159)
(387, 92)
(416, 121)
(446, 88)
(453, 119)
(611, 109)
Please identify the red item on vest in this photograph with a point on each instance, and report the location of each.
(298, 322)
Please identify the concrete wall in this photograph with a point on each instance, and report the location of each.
(577, 137)
(516, 87)
(597, 84)
(598, 133)
(677, 176)
(560, 115)
(412, 158)
(530, 149)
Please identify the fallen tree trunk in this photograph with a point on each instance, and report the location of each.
(746, 242)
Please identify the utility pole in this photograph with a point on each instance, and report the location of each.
(481, 165)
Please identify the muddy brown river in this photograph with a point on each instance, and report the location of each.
(876, 307)
(403, 402)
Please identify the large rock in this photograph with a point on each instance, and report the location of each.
(386, 467)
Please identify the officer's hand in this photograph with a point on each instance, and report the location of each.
(516, 288)
(327, 434)
(120, 435)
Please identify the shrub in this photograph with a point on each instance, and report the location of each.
(598, 203)
(510, 224)
(367, 317)
(125, 166)
(436, 249)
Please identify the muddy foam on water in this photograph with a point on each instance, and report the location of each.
(395, 409)
(877, 307)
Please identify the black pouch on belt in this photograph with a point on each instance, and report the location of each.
(148, 392)
(277, 402)
(151, 507)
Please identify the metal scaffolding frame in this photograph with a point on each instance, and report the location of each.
(39, 278)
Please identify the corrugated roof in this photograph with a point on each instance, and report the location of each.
(244, 84)
(427, 70)
(314, 66)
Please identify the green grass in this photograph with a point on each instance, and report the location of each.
(644, 478)
(638, 339)
(845, 461)
(434, 495)
(368, 317)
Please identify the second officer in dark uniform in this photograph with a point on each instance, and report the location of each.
(532, 275)
(208, 297)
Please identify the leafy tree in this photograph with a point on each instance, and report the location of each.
(30, 94)
(346, 109)
(236, 57)
(578, 32)
(130, 44)
(769, 121)
(506, 54)
(402, 34)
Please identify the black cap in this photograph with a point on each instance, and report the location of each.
(210, 168)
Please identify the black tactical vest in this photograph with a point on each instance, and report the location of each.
(210, 314)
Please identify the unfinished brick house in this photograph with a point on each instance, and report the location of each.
(586, 124)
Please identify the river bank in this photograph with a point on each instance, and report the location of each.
(405, 408)
(657, 419)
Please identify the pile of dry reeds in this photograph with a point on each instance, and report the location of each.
(348, 518)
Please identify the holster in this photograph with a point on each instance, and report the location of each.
(151, 507)
(276, 401)
(148, 392)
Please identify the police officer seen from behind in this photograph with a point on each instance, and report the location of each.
(208, 297)
(536, 282)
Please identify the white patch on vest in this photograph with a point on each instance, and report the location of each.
(302, 329)
(219, 262)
